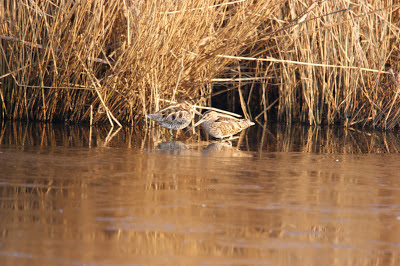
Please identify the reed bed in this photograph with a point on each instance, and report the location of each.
(356, 42)
(290, 61)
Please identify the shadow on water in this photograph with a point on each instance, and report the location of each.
(277, 195)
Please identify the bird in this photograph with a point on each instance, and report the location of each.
(174, 116)
(221, 126)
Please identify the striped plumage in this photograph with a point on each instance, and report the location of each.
(174, 116)
(221, 125)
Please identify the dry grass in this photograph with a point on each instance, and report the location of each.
(315, 62)
(332, 62)
(119, 55)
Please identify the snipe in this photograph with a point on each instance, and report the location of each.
(174, 116)
(221, 125)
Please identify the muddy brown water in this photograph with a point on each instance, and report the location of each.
(277, 196)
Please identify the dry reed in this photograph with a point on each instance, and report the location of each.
(315, 62)
(122, 57)
(331, 62)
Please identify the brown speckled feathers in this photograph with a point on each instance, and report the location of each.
(174, 116)
(221, 125)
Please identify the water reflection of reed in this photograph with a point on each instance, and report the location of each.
(326, 140)
(52, 135)
(282, 138)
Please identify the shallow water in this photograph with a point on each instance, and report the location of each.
(277, 196)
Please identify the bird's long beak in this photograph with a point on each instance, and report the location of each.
(197, 112)
(195, 125)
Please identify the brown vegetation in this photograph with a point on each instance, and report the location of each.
(316, 62)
